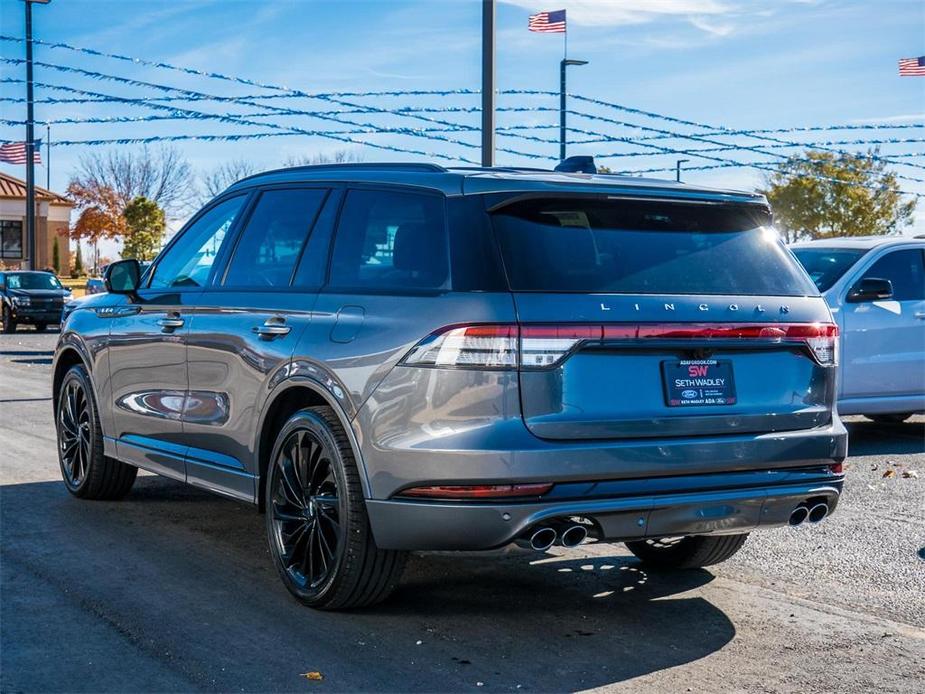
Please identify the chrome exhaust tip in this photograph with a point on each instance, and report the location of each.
(573, 535)
(818, 512)
(538, 539)
(799, 514)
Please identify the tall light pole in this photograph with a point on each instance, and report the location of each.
(30, 141)
(488, 82)
(562, 67)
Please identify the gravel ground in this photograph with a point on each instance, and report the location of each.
(173, 590)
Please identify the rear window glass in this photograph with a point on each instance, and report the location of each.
(643, 247)
(826, 265)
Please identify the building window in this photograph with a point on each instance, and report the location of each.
(11, 240)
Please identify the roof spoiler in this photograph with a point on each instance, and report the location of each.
(580, 164)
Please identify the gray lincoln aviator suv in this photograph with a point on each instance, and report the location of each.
(394, 357)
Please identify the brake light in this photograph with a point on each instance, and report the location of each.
(543, 346)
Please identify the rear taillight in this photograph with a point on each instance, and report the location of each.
(546, 346)
(473, 346)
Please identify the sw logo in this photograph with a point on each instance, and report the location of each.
(695, 370)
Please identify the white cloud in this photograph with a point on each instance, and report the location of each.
(620, 12)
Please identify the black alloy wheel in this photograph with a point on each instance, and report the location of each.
(305, 510)
(87, 472)
(317, 525)
(74, 433)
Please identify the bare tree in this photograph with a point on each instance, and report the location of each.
(341, 156)
(162, 175)
(219, 178)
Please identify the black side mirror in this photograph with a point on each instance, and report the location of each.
(870, 289)
(123, 277)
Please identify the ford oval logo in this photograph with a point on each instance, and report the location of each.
(689, 394)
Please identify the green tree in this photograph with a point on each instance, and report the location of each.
(78, 262)
(144, 229)
(56, 257)
(825, 194)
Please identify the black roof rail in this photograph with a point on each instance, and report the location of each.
(354, 166)
(512, 169)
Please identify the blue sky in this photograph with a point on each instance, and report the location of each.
(735, 63)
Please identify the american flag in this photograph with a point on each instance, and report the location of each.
(548, 22)
(912, 67)
(15, 152)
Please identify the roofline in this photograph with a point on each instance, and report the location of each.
(454, 181)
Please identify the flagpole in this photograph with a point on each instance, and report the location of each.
(47, 157)
(30, 146)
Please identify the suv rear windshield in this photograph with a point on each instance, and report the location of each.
(643, 247)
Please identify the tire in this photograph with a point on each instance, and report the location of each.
(888, 418)
(87, 473)
(7, 324)
(690, 552)
(317, 528)
(41, 327)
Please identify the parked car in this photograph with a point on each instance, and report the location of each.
(29, 297)
(876, 289)
(95, 285)
(401, 357)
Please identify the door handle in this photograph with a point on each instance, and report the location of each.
(273, 327)
(920, 315)
(168, 324)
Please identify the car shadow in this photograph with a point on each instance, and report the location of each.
(191, 572)
(873, 438)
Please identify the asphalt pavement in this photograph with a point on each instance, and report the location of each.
(172, 589)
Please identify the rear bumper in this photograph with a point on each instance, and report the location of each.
(414, 525)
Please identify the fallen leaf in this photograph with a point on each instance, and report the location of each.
(889, 473)
(314, 676)
(910, 474)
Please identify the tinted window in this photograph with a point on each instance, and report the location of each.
(32, 280)
(642, 247)
(826, 265)
(390, 240)
(904, 269)
(188, 262)
(272, 242)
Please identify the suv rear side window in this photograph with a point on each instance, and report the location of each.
(270, 245)
(390, 240)
(644, 247)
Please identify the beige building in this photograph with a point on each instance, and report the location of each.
(52, 219)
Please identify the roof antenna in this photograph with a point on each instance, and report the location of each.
(579, 164)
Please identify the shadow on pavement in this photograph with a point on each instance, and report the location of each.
(872, 438)
(175, 570)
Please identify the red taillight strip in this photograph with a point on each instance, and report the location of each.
(681, 331)
(479, 491)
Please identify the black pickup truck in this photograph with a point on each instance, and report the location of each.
(30, 297)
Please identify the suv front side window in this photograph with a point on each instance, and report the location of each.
(905, 270)
(188, 262)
